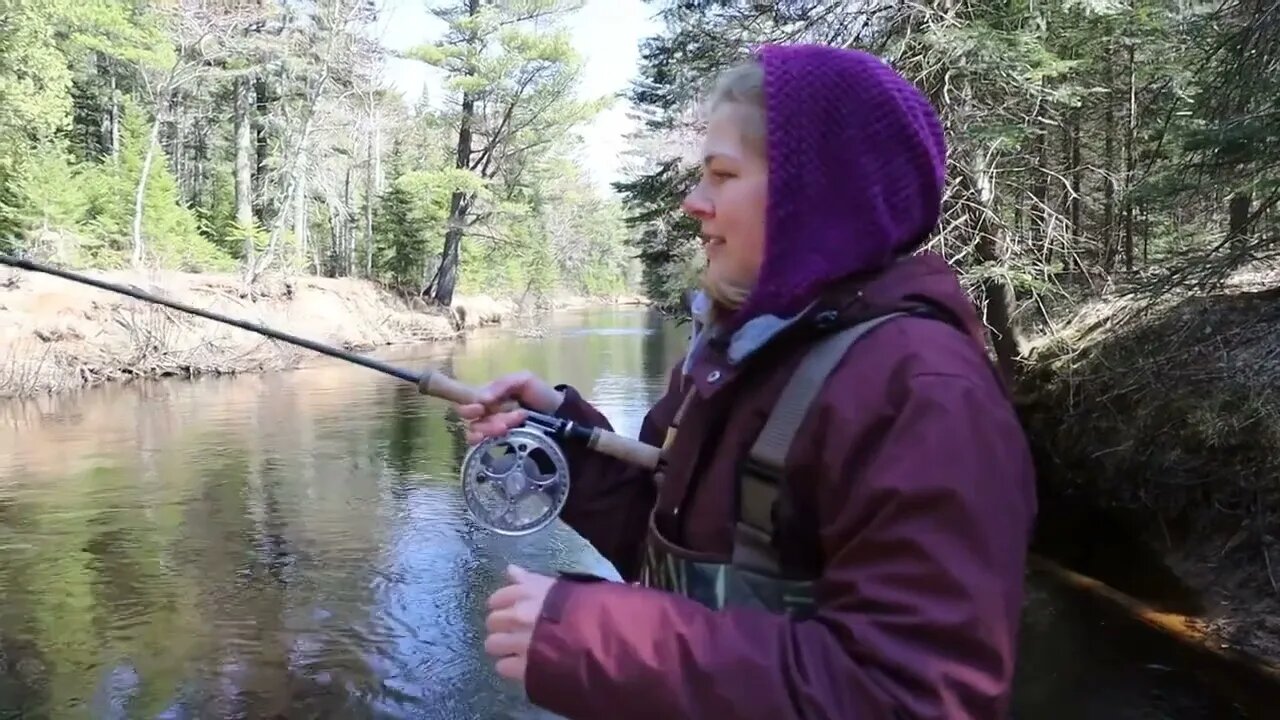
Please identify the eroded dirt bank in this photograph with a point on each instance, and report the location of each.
(57, 335)
(1167, 417)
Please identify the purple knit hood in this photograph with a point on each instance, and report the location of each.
(857, 164)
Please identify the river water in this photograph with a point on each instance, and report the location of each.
(294, 545)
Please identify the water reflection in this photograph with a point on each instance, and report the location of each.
(294, 545)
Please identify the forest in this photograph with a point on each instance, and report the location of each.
(1114, 175)
(261, 136)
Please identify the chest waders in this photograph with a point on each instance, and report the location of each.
(754, 576)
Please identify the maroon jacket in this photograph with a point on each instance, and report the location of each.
(916, 476)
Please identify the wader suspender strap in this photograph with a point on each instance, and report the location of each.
(763, 471)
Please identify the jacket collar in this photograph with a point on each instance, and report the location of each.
(746, 340)
(713, 359)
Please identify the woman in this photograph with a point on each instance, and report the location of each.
(897, 533)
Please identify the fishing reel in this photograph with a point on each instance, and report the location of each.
(516, 484)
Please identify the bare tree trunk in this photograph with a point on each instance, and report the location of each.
(997, 294)
(139, 197)
(1109, 163)
(292, 180)
(110, 138)
(300, 211)
(335, 232)
(200, 160)
(1240, 201)
(379, 185)
(1146, 237)
(369, 194)
(348, 228)
(115, 121)
(171, 143)
(1239, 210)
(1130, 162)
(379, 177)
(1077, 180)
(243, 169)
(1040, 214)
(459, 204)
(1064, 197)
(446, 278)
(262, 151)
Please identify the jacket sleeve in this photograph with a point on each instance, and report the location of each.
(925, 529)
(610, 500)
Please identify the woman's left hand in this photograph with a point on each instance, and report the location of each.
(513, 612)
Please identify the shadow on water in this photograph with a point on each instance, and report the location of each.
(1185, 678)
(1099, 543)
(294, 545)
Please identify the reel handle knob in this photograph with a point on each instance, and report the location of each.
(442, 386)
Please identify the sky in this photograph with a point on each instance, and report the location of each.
(607, 33)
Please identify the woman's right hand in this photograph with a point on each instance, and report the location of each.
(529, 390)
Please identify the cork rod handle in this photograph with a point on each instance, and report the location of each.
(605, 442)
(442, 386)
(626, 449)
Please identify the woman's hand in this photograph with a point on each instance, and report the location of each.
(524, 387)
(513, 612)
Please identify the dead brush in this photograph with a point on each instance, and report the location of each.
(1169, 411)
(26, 374)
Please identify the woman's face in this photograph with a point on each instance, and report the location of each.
(730, 198)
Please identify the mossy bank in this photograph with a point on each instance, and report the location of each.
(58, 335)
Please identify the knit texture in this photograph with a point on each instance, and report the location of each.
(857, 165)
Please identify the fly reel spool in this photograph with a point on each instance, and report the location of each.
(515, 484)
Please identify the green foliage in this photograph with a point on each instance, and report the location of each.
(216, 217)
(84, 84)
(170, 228)
(512, 74)
(34, 77)
(57, 189)
(82, 211)
(666, 238)
(516, 263)
(408, 223)
(11, 223)
(129, 32)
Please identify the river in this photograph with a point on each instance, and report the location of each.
(294, 545)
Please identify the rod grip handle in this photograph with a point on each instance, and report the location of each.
(442, 386)
(637, 453)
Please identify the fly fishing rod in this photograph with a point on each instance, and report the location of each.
(500, 474)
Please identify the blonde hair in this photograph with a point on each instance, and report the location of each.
(741, 85)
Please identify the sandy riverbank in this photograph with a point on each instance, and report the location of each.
(57, 335)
